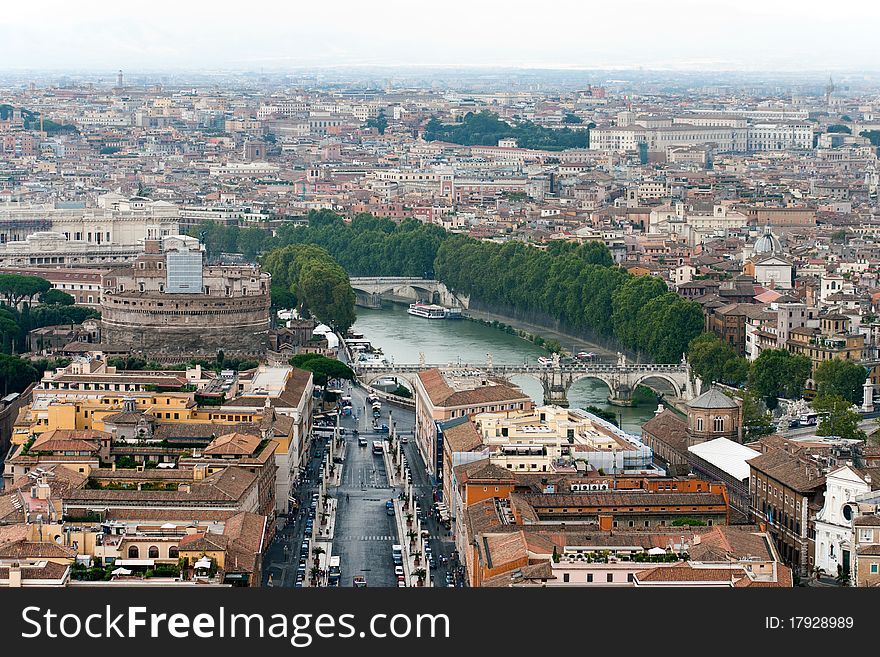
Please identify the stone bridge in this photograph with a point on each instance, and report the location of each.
(369, 291)
(557, 378)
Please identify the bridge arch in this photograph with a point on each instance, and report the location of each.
(642, 380)
(369, 378)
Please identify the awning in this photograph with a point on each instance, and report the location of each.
(121, 571)
(204, 562)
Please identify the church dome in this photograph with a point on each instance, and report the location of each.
(767, 243)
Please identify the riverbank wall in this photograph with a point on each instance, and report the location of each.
(551, 328)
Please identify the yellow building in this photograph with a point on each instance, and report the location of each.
(833, 339)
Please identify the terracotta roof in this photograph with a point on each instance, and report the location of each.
(69, 440)
(462, 437)
(685, 573)
(482, 470)
(46, 570)
(668, 428)
(204, 430)
(435, 385)
(789, 470)
(501, 549)
(532, 572)
(36, 550)
(233, 444)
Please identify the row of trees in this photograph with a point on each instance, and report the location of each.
(229, 238)
(485, 129)
(369, 246)
(307, 277)
(577, 284)
(366, 246)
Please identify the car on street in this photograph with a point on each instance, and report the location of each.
(398, 570)
(359, 581)
(362, 441)
(389, 508)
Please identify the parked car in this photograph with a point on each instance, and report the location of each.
(359, 581)
(398, 570)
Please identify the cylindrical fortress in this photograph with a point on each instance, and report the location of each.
(168, 302)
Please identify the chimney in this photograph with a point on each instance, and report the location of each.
(184, 488)
(15, 576)
(199, 471)
(659, 410)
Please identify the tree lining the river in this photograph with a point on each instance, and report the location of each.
(576, 283)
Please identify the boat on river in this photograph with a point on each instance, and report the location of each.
(427, 310)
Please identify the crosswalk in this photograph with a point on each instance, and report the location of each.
(380, 537)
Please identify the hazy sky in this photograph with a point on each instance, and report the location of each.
(275, 35)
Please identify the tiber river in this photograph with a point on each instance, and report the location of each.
(402, 337)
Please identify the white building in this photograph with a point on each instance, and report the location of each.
(834, 523)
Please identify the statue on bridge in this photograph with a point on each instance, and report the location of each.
(489, 361)
(421, 359)
(621, 359)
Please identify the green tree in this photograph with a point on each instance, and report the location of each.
(16, 374)
(322, 368)
(779, 373)
(843, 378)
(57, 298)
(839, 127)
(838, 418)
(380, 122)
(282, 297)
(873, 136)
(572, 119)
(756, 420)
(715, 361)
(15, 288)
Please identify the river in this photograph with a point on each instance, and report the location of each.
(402, 337)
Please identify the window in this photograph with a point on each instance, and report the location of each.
(565, 577)
(718, 424)
(153, 552)
(173, 552)
(133, 552)
(630, 577)
(589, 577)
(699, 424)
(873, 568)
(610, 577)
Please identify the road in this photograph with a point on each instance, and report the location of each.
(364, 532)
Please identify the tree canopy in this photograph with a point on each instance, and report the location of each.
(779, 373)
(318, 283)
(838, 418)
(842, 378)
(322, 368)
(380, 122)
(716, 361)
(486, 129)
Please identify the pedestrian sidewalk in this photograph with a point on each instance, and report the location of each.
(394, 479)
(411, 562)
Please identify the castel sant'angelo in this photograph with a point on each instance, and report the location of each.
(168, 300)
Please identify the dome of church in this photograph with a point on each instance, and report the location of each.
(767, 243)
